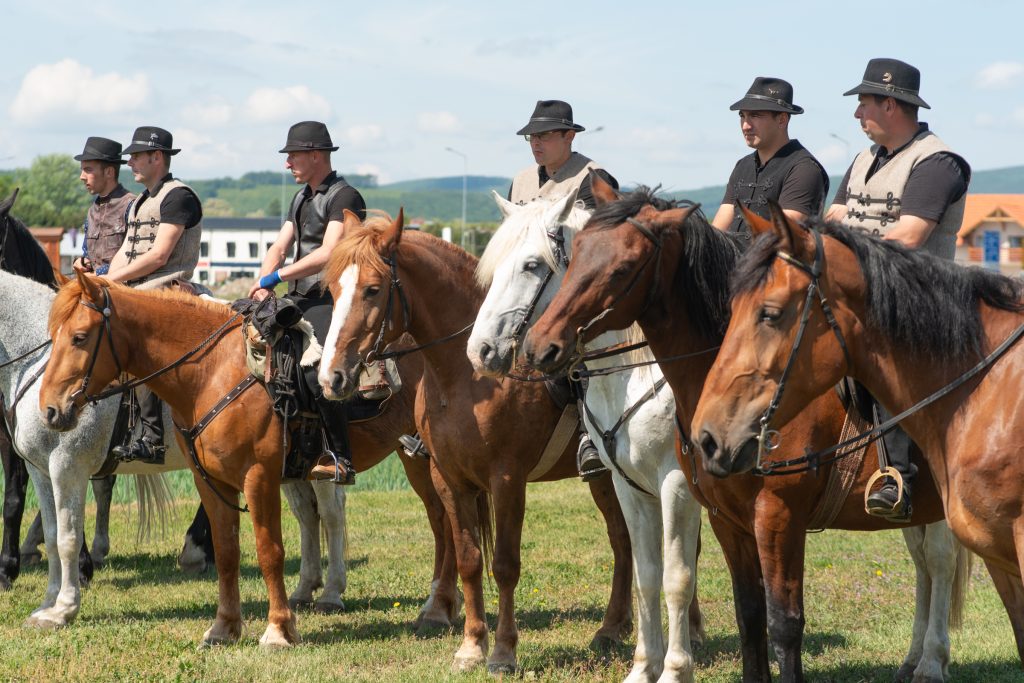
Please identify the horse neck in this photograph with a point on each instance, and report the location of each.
(23, 313)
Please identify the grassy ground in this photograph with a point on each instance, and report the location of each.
(141, 619)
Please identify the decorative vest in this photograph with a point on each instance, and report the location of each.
(105, 227)
(311, 226)
(143, 223)
(566, 180)
(875, 204)
(756, 186)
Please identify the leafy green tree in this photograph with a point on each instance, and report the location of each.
(274, 208)
(51, 193)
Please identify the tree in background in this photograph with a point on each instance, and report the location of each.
(51, 193)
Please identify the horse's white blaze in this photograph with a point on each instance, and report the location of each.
(342, 307)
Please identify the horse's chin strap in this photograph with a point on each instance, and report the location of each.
(107, 331)
(769, 439)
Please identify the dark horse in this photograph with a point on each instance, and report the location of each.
(640, 259)
(21, 254)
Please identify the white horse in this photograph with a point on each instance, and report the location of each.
(60, 464)
(522, 265)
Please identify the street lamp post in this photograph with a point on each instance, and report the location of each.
(846, 145)
(465, 171)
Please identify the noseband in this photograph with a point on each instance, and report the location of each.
(109, 334)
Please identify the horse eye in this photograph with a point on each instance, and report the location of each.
(371, 291)
(78, 339)
(769, 315)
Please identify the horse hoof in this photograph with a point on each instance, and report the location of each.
(501, 669)
(328, 607)
(274, 643)
(603, 645)
(465, 664)
(31, 559)
(44, 623)
(903, 674)
(5, 583)
(432, 628)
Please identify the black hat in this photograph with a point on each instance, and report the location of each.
(550, 115)
(768, 94)
(101, 149)
(151, 139)
(308, 135)
(891, 78)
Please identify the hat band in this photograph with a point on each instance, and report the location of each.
(890, 87)
(147, 143)
(773, 100)
(552, 119)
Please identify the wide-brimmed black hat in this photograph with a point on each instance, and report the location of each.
(891, 78)
(768, 94)
(151, 139)
(308, 135)
(550, 115)
(101, 149)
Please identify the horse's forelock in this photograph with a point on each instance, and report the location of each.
(64, 305)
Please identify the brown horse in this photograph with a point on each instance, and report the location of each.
(639, 259)
(241, 450)
(912, 324)
(489, 435)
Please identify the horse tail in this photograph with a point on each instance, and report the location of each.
(485, 520)
(961, 579)
(154, 499)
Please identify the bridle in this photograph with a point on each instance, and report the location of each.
(561, 257)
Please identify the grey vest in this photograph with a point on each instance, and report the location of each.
(875, 204)
(310, 227)
(143, 223)
(526, 186)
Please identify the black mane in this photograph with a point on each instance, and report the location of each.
(708, 258)
(22, 254)
(919, 300)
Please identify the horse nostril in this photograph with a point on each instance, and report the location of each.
(708, 445)
(486, 351)
(551, 353)
(51, 415)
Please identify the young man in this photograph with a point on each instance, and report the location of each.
(314, 227)
(104, 226)
(910, 187)
(780, 169)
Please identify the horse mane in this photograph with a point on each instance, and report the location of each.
(69, 295)
(708, 259)
(33, 262)
(362, 248)
(916, 298)
(525, 226)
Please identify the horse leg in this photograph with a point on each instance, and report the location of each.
(302, 502)
(197, 553)
(223, 520)
(696, 617)
(743, 559)
(509, 509)
(103, 490)
(618, 617)
(782, 542)
(263, 494)
(681, 515)
(15, 487)
(445, 601)
(1011, 592)
(330, 500)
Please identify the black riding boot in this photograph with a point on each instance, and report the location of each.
(336, 462)
(885, 501)
(588, 460)
(148, 447)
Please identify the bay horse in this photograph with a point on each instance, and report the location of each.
(912, 325)
(488, 436)
(629, 415)
(240, 451)
(640, 259)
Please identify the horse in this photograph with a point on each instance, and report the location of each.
(489, 437)
(640, 259)
(912, 325)
(146, 332)
(629, 415)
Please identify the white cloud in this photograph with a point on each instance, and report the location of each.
(833, 155)
(286, 105)
(210, 115)
(1000, 75)
(984, 120)
(363, 135)
(68, 88)
(437, 122)
(200, 154)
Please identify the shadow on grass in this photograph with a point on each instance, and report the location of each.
(724, 647)
(980, 672)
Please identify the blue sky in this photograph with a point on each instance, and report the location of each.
(398, 82)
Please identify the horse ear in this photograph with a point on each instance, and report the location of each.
(90, 288)
(393, 235)
(6, 205)
(673, 217)
(505, 206)
(351, 221)
(791, 235)
(60, 277)
(603, 192)
(757, 224)
(565, 205)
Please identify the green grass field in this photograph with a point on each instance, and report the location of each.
(141, 619)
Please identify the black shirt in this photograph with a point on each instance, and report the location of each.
(180, 207)
(802, 189)
(346, 198)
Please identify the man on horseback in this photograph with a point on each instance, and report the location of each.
(910, 187)
(780, 169)
(164, 225)
(315, 225)
(559, 171)
(104, 226)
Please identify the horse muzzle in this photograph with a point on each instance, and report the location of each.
(61, 420)
(725, 456)
(338, 385)
(490, 357)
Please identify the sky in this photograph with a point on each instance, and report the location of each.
(398, 83)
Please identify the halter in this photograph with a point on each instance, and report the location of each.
(768, 439)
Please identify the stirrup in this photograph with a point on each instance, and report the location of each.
(413, 446)
(339, 472)
(898, 507)
(588, 459)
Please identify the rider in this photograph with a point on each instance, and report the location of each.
(559, 171)
(104, 226)
(908, 186)
(780, 169)
(315, 225)
(164, 226)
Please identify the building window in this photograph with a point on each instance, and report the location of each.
(204, 276)
(254, 249)
(269, 244)
(231, 250)
(1015, 241)
(204, 249)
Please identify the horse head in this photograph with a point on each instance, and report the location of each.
(612, 277)
(521, 269)
(79, 321)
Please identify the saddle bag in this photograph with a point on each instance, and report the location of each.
(379, 380)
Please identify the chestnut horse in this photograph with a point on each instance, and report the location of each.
(489, 435)
(640, 259)
(241, 449)
(913, 324)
